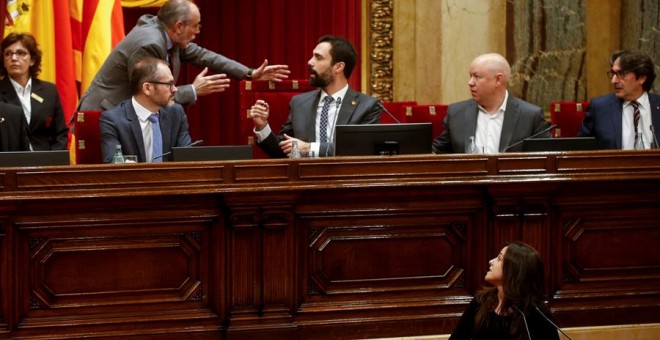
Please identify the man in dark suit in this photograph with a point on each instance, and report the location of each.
(313, 115)
(13, 129)
(493, 118)
(611, 118)
(168, 37)
(136, 122)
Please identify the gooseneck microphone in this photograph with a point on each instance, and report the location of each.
(529, 335)
(655, 140)
(382, 108)
(552, 323)
(195, 143)
(548, 129)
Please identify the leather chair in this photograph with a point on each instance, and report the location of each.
(86, 138)
(568, 116)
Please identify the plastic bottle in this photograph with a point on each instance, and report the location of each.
(118, 157)
(639, 141)
(472, 146)
(295, 151)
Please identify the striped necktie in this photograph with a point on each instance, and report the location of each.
(323, 124)
(636, 117)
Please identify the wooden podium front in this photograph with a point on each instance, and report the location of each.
(333, 248)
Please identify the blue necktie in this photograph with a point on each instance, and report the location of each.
(323, 125)
(157, 141)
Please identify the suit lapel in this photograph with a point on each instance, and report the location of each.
(136, 131)
(310, 119)
(351, 101)
(165, 128)
(654, 100)
(471, 121)
(617, 119)
(8, 93)
(511, 116)
(36, 104)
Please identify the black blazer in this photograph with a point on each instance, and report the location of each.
(47, 129)
(13, 129)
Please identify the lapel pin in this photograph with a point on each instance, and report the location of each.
(354, 103)
(2, 119)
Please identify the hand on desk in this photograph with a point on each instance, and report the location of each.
(303, 146)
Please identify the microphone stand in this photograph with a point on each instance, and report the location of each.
(548, 129)
(195, 143)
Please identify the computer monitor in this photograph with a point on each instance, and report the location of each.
(211, 153)
(385, 139)
(560, 144)
(34, 158)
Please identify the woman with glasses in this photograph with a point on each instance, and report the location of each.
(39, 99)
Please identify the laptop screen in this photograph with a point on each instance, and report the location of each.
(560, 144)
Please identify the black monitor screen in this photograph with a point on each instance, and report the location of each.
(211, 153)
(385, 139)
(34, 158)
(560, 144)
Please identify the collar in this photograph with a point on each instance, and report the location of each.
(502, 107)
(19, 88)
(643, 101)
(142, 112)
(339, 94)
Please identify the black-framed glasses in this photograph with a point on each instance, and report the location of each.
(19, 53)
(618, 74)
(170, 84)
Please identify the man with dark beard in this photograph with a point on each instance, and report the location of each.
(313, 115)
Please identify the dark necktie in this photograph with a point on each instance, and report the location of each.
(636, 116)
(157, 139)
(323, 125)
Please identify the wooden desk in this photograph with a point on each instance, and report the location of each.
(320, 248)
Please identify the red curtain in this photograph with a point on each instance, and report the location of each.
(249, 31)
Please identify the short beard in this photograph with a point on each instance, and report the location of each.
(317, 81)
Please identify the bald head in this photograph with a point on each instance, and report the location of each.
(494, 64)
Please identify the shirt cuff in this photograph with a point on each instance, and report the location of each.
(314, 149)
(263, 134)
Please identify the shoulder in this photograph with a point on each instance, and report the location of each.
(523, 105)
(10, 109)
(305, 96)
(43, 85)
(459, 107)
(360, 97)
(603, 100)
(174, 110)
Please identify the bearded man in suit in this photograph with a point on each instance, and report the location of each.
(314, 115)
(497, 120)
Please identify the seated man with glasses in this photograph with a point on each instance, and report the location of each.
(148, 124)
(626, 119)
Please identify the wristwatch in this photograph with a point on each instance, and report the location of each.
(248, 75)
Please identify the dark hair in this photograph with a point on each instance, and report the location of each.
(341, 50)
(175, 10)
(30, 44)
(144, 70)
(638, 62)
(522, 285)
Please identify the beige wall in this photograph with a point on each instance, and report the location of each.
(435, 41)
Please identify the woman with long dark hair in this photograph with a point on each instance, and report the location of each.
(513, 308)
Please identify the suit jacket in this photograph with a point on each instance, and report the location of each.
(121, 125)
(13, 129)
(47, 129)
(148, 39)
(604, 120)
(521, 120)
(356, 108)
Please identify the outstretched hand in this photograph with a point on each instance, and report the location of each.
(275, 73)
(205, 85)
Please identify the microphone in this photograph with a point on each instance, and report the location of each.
(529, 335)
(195, 143)
(552, 323)
(655, 140)
(548, 129)
(382, 108)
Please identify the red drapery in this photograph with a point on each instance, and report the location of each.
(282, 31)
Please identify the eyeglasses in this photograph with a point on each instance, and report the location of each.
(19, 53)
(170, 84)
(618, 74)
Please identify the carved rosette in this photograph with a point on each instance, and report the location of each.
(381, 36)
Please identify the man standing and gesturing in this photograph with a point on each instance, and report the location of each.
(169, 37)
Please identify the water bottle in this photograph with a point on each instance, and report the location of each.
(472, 147)
(639, 141)
(118, 157)
(295, 151)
